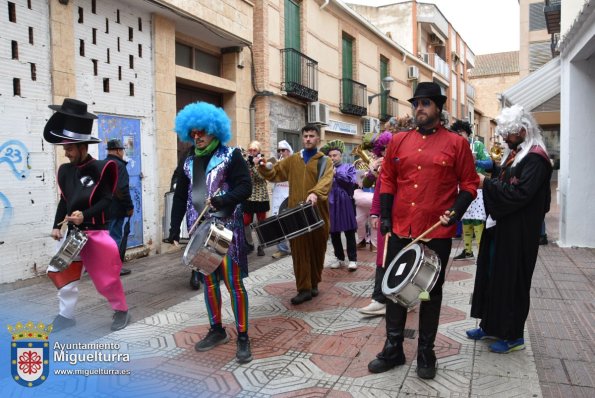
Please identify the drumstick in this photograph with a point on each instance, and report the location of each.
(433, 227)
(202, 213)
(385, 248)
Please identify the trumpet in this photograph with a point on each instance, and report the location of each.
(496, 152)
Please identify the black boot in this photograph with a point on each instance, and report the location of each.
(392, 353)
(195, 280)
(429, 316)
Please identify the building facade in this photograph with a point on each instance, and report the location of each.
(125, 59)
(577, 138)
(423, 30)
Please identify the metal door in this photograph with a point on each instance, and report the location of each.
(127, 130)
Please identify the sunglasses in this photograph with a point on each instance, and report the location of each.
(281, 150)
(424, 102)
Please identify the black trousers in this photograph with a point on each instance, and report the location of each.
(338, 245)
(429, 313)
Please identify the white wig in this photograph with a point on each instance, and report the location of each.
(511, 121)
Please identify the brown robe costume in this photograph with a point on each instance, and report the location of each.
(307, 251)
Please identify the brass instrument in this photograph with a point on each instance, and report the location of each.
(363, 163)
(496, 152)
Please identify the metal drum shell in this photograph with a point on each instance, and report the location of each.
(207, 247)
(70, 249)
(422, 276)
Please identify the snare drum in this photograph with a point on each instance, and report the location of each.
(207, 247)
(288, 224)
(412, 272)
(70, 249)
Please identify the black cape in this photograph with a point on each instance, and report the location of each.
(518, 200)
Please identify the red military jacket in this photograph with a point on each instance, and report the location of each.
(425, 173)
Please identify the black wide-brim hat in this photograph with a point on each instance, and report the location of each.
(71, 124)
(429, 90)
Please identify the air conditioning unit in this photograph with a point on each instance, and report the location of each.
(370, 125)
(412, 72)
(318, 113)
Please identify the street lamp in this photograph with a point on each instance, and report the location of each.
(385, 84)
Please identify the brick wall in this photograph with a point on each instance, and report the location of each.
(27, 186)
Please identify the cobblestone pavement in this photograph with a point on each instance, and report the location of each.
(320, 348)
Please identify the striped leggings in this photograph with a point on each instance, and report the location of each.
(229, 272)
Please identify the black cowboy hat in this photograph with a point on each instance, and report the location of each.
(429, 90)
(70, 124)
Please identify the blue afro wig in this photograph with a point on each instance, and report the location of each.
(206, 117)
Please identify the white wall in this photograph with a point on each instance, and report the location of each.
(27, 185)
(577, 137)
(118, 101)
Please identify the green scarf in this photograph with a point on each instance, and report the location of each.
(207, 151)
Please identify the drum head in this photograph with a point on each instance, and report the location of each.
(402, 269)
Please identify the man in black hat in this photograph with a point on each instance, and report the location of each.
(428, 174)
(122, 205)
(86, 187)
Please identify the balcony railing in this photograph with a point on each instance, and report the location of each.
(389, 107)
(470, 91)
(552, 11)
(353, 97)
(300, 78)
(437, 63)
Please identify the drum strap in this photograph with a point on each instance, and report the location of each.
(199, 186)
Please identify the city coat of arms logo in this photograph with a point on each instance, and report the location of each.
(30, 353)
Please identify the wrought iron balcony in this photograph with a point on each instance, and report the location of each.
(389, 107)
(353, 97)
(300, 75)
(552, 11)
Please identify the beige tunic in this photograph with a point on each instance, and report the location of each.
(307, 251)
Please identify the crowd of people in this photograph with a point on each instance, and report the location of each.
(420, 180)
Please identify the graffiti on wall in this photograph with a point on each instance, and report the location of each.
(15, 155)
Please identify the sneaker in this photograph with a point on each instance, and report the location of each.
(506, 346)
(352, 266)
(121, 320)
(338, 264)
(362, 244)
(60, 323)
(243, 353)
(279, 254)
(374, 308)
(478, 334)
(212, 339)
(464, 255)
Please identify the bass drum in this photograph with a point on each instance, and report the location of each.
(207, 247)
(412, 271)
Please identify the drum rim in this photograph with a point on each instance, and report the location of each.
(417, 248)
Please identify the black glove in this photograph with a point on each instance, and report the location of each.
(251, 160)
(453, 218)
(217, 202)
(386, 213)
(462, 202)
(386, 226)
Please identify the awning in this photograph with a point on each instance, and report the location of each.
(535, 89)
(438, 34)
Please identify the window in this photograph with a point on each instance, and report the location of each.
(12, 12)
(197, 59)
(536, 17)
(539, 54)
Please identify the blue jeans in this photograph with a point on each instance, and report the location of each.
(283, 247)
(115, 229)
